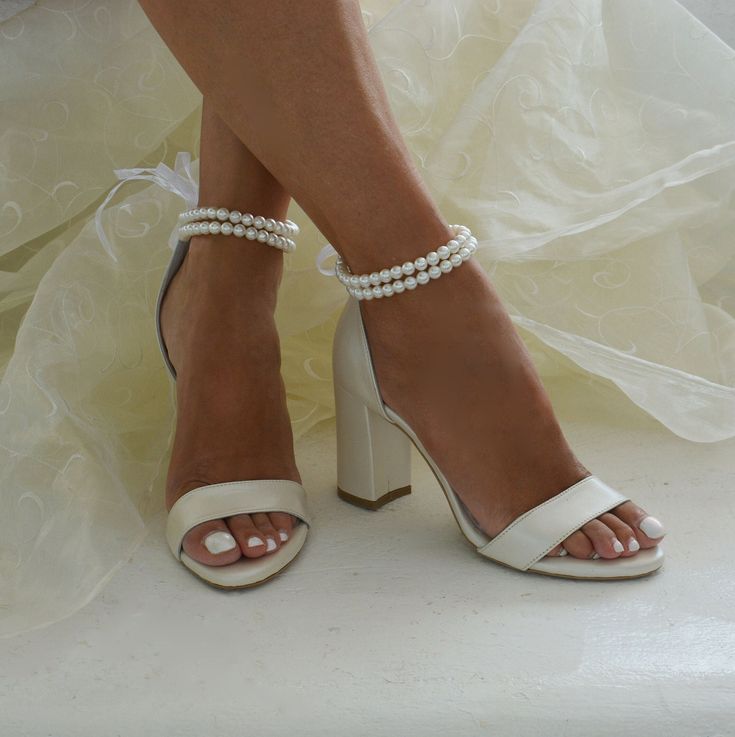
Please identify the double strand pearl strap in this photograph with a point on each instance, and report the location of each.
(220, 220)
(408, 276)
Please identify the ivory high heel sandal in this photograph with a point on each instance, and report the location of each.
(373, 442)
(216, 501)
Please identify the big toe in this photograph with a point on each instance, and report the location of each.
(647, 529)
(211, 543)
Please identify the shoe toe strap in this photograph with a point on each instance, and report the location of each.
(217, 501)
(532, 535)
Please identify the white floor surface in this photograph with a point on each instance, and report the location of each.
(389, 624)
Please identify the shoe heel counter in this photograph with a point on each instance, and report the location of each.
(352, 366)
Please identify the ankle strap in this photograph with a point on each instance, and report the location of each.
(220, 220)
(397, 279)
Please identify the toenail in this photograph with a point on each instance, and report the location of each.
(271, 546)
(618, 546)
(563, 551)
(652, 527)
(253, 542)
(219, 542)
(595, 556)
(283, 535)
(634, 546)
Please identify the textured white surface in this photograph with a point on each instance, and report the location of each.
(719, 15)
(389, 624)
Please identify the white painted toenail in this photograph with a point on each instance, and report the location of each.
(283, 535)
(634, 546)
(271, 545)
(596, 556)
(253, 542)
(652, 527)
(563, 552)
(219, 542)
(618, 546)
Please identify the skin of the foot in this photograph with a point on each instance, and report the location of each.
(449, 361)
(232, 424)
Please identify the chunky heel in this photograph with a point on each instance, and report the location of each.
(373, 455)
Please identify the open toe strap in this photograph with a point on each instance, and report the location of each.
(218, 501)
(532, 535)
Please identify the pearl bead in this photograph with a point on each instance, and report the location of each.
(272, 239)
(377, 292)
(455, 259)
(445, 266)
(251, 234)
(355, 281)
(295, 228)
(398, 286)
(367, 293)
(279, 229)
(211, 213)
(226, 229)
(396, 272)
(375, 278)
(387, 290)
(410, 282)
(259, 221)
(442, 252)
(247, 219)
(201, 228)
(235, 216)
(223, 214)
(432, 258)
(385, 276)
(420, 263)
(464, 253)
(262, 236)
(364, 280)
(452, 246)
(238, 231)
(214, 227)
(434, 272)
(408, 268)
(270, 224)
(422, 277)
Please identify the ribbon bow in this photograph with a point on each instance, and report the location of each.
(178, 180)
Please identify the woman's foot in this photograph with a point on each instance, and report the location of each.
(232, 422)
(450, 363)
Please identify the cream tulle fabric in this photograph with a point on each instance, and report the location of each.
(589, 144)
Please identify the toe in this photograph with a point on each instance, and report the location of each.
(283, 523)
(648, 530)
(251, 540)
(605, 542)
(211, 543)
(578, 545)
(623, 532)
(272, 538)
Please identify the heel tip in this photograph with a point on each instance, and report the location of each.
(373, 505)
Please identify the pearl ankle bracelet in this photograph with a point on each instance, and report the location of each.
(387, 282)
(213, 220)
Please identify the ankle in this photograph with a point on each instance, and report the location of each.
(250, 269)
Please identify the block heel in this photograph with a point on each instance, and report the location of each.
(373, 455)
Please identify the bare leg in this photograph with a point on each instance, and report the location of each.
(302, 91)
(217, 319)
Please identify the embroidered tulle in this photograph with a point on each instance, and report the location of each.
(590, 145)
